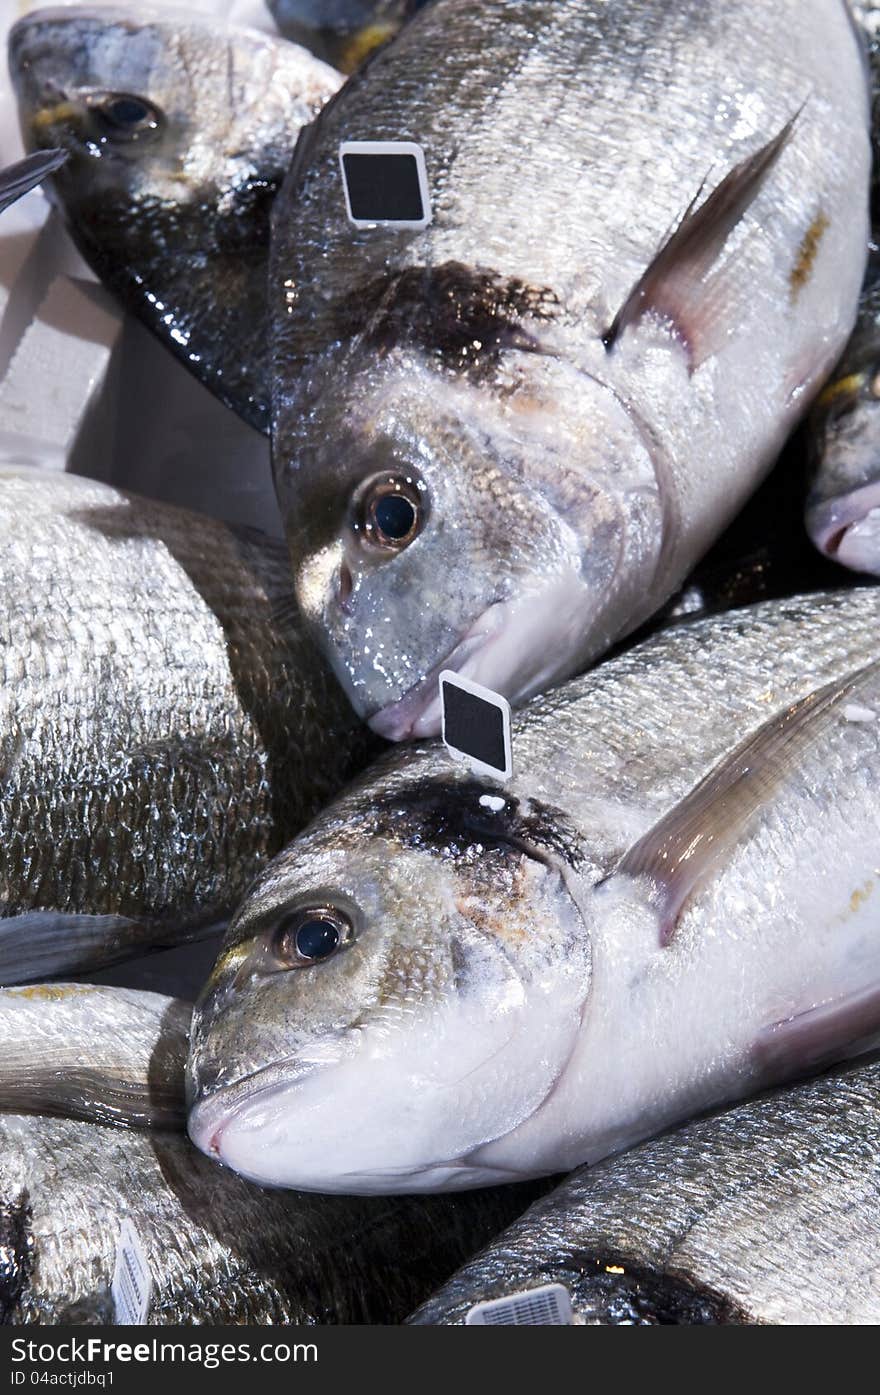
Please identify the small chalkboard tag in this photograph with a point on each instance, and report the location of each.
(476, 725)
(132, 1282)
(549, 1306)
(386, 183)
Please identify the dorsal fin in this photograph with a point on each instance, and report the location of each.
(681, 851)
(674, 285)
(26, 174)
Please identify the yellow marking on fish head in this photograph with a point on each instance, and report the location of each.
(358, 48)
(807, 252)
(51, 116)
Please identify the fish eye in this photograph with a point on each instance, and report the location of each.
(124, 116)
(311, 936)
(390, 511)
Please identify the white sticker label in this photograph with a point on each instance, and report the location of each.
(540, 1307)
(385, 184)
(132, 1283)
(475, 725)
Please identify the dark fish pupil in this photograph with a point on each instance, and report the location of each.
(128, 111)
(395, 516)
(316, 939)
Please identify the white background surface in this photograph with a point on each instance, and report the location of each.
(93, 390)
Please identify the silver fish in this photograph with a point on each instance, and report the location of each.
(765, 1214)
(178, 131)
(220, 1251)
(843, 511)
(105, 1055)
(165, 724)
(19, 179)
(445, 983)
(503, 440)
(345, 32)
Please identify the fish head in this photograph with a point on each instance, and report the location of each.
(163, 116)
(472, 501)
(404, 986)
(843, 508)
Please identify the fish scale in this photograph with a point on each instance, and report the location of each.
(164, 722)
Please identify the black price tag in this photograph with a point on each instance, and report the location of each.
(386, 183)
(476, 725)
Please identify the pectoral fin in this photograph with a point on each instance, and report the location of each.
(681, 852)
(844, 1026)
(26, 174)
(45, 944)
(678, 285)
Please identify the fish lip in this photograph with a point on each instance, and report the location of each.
(417, 715)
(213, 1146)
(830, 522)
(513, 632)
(228, 1096)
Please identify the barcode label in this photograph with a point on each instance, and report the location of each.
(540, 1307)
(132, 1283)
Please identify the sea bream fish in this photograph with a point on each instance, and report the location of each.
(843, 511)
(345, 32)
(165, 723)
(841, 515)
(502, 441)
(178, 130)
(445, 983)
(764, 1214)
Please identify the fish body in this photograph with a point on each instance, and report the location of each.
(165, 723)
(843, 510)
(178, 131)
(219, 1250)
(105, 1055)
(446, 982)
(764, 1214)
(502, 440)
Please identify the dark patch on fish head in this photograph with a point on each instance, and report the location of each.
(404, 984)
(461, 318)
(16, 1253)
(456, 494)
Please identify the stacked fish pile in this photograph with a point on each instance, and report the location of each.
(510, 439)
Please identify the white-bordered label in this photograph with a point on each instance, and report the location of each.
(385, 183)
(549, 1306)
(476, 725)
(132, 1281)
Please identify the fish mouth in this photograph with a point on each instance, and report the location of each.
(511, 649)
(847, 529)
